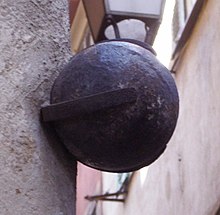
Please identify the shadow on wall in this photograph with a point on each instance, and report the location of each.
(218, 211)
(63, 155)
(214, 210)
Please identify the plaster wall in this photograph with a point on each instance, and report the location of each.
(37, 175)
(185, 179)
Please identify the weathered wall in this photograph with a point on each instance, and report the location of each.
(185, 180)
(37, 176)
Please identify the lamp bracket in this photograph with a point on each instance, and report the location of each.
(111, 21)
(105, 197)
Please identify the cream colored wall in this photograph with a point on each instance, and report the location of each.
(185, 179)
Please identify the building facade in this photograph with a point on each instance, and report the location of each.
(37, 175)
(185, 179)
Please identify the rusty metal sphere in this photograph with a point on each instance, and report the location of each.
(130, 135)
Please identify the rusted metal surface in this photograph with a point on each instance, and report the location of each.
(125, 137)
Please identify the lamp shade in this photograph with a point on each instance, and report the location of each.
(142, 8)
(103, 13)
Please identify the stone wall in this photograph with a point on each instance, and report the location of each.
(37, 175)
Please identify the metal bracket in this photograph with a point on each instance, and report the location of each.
(111, 21)
(88, 105)
(105, 197)
(114, 197)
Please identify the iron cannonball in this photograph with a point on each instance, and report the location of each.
(126, 106)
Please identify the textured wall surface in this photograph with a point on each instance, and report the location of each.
(185, 180)
(37, 175)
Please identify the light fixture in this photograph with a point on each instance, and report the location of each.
(104, 13)
(114, 105)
